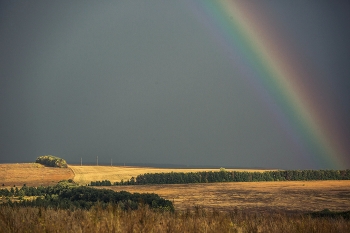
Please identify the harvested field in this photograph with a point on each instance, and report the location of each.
(86, 174)
(290, 196)
(32, 174)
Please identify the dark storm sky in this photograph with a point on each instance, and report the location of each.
(146, 82)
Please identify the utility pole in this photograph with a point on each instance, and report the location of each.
(96, 160)
(81, 161)
(111, 161)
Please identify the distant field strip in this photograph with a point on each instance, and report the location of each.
(86, 174)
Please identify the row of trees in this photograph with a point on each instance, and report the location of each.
(101, 183)
(232, 176)
(109, 183)
(51, 161)
(28, 191)
(65, 197)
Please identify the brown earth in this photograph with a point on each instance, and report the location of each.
(290, 196)
(32, 174)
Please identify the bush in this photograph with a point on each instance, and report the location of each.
(51, 161)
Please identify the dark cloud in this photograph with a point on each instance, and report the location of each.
(146, 83)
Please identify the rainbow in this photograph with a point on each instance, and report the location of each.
(278, 75)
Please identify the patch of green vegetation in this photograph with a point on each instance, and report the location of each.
(66, 195)
(326, 213)
(67, 183)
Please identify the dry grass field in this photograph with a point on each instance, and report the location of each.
(293, 196)
(32, 174)
(86, 174)
(111, 219)
(290, 196)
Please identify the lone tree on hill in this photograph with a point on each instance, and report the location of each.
(51, 161)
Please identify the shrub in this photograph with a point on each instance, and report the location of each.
(51, 161)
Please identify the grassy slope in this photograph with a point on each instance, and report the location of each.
(32, 174)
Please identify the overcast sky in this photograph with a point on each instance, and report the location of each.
(147, 82)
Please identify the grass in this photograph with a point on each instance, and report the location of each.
(112, 219)
(282, 196)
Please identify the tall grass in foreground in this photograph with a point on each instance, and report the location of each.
(113, 219)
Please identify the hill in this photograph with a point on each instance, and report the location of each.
(35, 174)
(32, 174)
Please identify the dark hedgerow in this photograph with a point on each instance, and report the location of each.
(232, 176)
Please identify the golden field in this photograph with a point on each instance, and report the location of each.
(144, 219)
(207, 207)
(32, 174)
(86, 174)
(112, 219)
(293, 196)
(282, 196)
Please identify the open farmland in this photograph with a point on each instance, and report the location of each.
(86, 174)
(293, 196)
(32, 174)
(290, 196)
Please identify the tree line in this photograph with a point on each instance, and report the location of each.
(232, 176)
(101, 183)
(52, 161)
(82, 197)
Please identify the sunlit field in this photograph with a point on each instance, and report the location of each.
(112, 219)
(279, 206)
(32, 174)
(283, 196)
(86, 174)
(290, 196)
